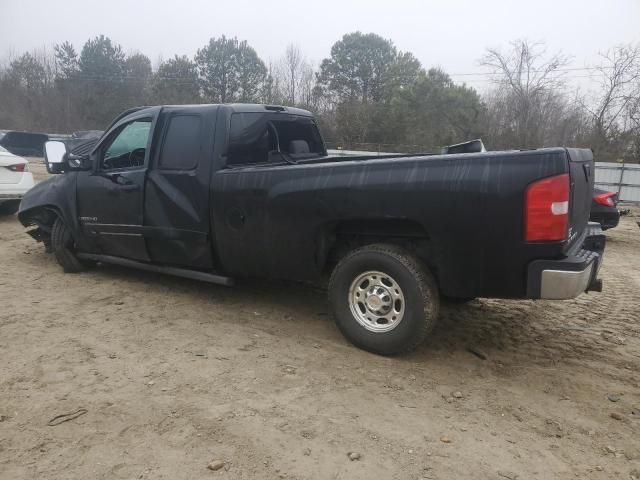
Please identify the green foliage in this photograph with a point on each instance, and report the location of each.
(137, 77)
(230, 71)
(100, 58)
(27, 72)
(385, 96)
(138, 67)
(359, 67)
(66, 60)
(434, 111)
(176, 82)
(366, 95)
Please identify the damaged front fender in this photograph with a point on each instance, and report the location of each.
(48, 200)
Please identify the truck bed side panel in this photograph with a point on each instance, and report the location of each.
(269, 219)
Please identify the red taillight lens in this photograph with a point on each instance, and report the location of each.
(18, 167)
(606, 199)
(546, 214)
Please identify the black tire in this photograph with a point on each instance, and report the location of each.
(9, 208)
(63, 247)
(417, 285)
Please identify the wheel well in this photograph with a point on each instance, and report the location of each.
(42, 217)
(342, 237)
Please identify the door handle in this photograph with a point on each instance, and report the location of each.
(124, 188)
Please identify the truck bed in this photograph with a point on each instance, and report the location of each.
(468, 207)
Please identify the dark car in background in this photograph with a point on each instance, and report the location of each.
(604, 208)
(24, 144)
(84, 140)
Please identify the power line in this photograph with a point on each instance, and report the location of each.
(572, 69)
(396, 76)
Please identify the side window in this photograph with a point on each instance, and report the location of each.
(129, 146)
(251, 138)
(181, 147)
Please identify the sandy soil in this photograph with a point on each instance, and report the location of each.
(175, 374)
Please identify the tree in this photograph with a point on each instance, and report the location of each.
(100, 82)
(613, 108)
(358, 69)
(271, 91)
(230, 71)
(66, 60)
(361, 76)
(432, 112)
(633, 115)
(527, 90)
(137, 76)
(23, 91)
(137, 66)
(308, 97)
(252, 74)
(102, 59)
(293, 62)
(27, 72)
(403, 72)
(176, 82)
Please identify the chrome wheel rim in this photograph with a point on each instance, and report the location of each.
(376, 301)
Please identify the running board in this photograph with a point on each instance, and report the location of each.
(179, 272)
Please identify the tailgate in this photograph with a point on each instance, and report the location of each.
(582, 173)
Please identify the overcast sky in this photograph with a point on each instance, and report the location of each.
(448, 33)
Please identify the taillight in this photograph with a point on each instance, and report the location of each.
(546, 214)
(606, 199)
(18, 167)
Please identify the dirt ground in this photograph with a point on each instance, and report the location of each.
(174, 374)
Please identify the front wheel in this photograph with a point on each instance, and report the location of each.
(384, 299)
(63, 247)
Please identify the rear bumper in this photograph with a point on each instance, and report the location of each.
(10, 196)
(570, 276)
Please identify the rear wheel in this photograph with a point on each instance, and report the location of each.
(9, 208)
(63, 247)
(384, 299)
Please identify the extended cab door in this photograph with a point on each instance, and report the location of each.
(176, 205)
(110, 197)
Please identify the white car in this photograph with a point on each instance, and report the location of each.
(15, 180)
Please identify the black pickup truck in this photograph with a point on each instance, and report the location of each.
(217, 192)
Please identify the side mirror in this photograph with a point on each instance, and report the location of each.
(58, 160)
(78, 162)
(55, 154)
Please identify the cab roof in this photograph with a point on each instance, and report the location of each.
(234, 107)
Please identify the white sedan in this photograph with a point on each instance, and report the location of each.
(15, 180)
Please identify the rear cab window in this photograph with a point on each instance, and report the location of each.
(257, 138)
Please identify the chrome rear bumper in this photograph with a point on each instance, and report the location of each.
(570, 276)
(563, 284)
